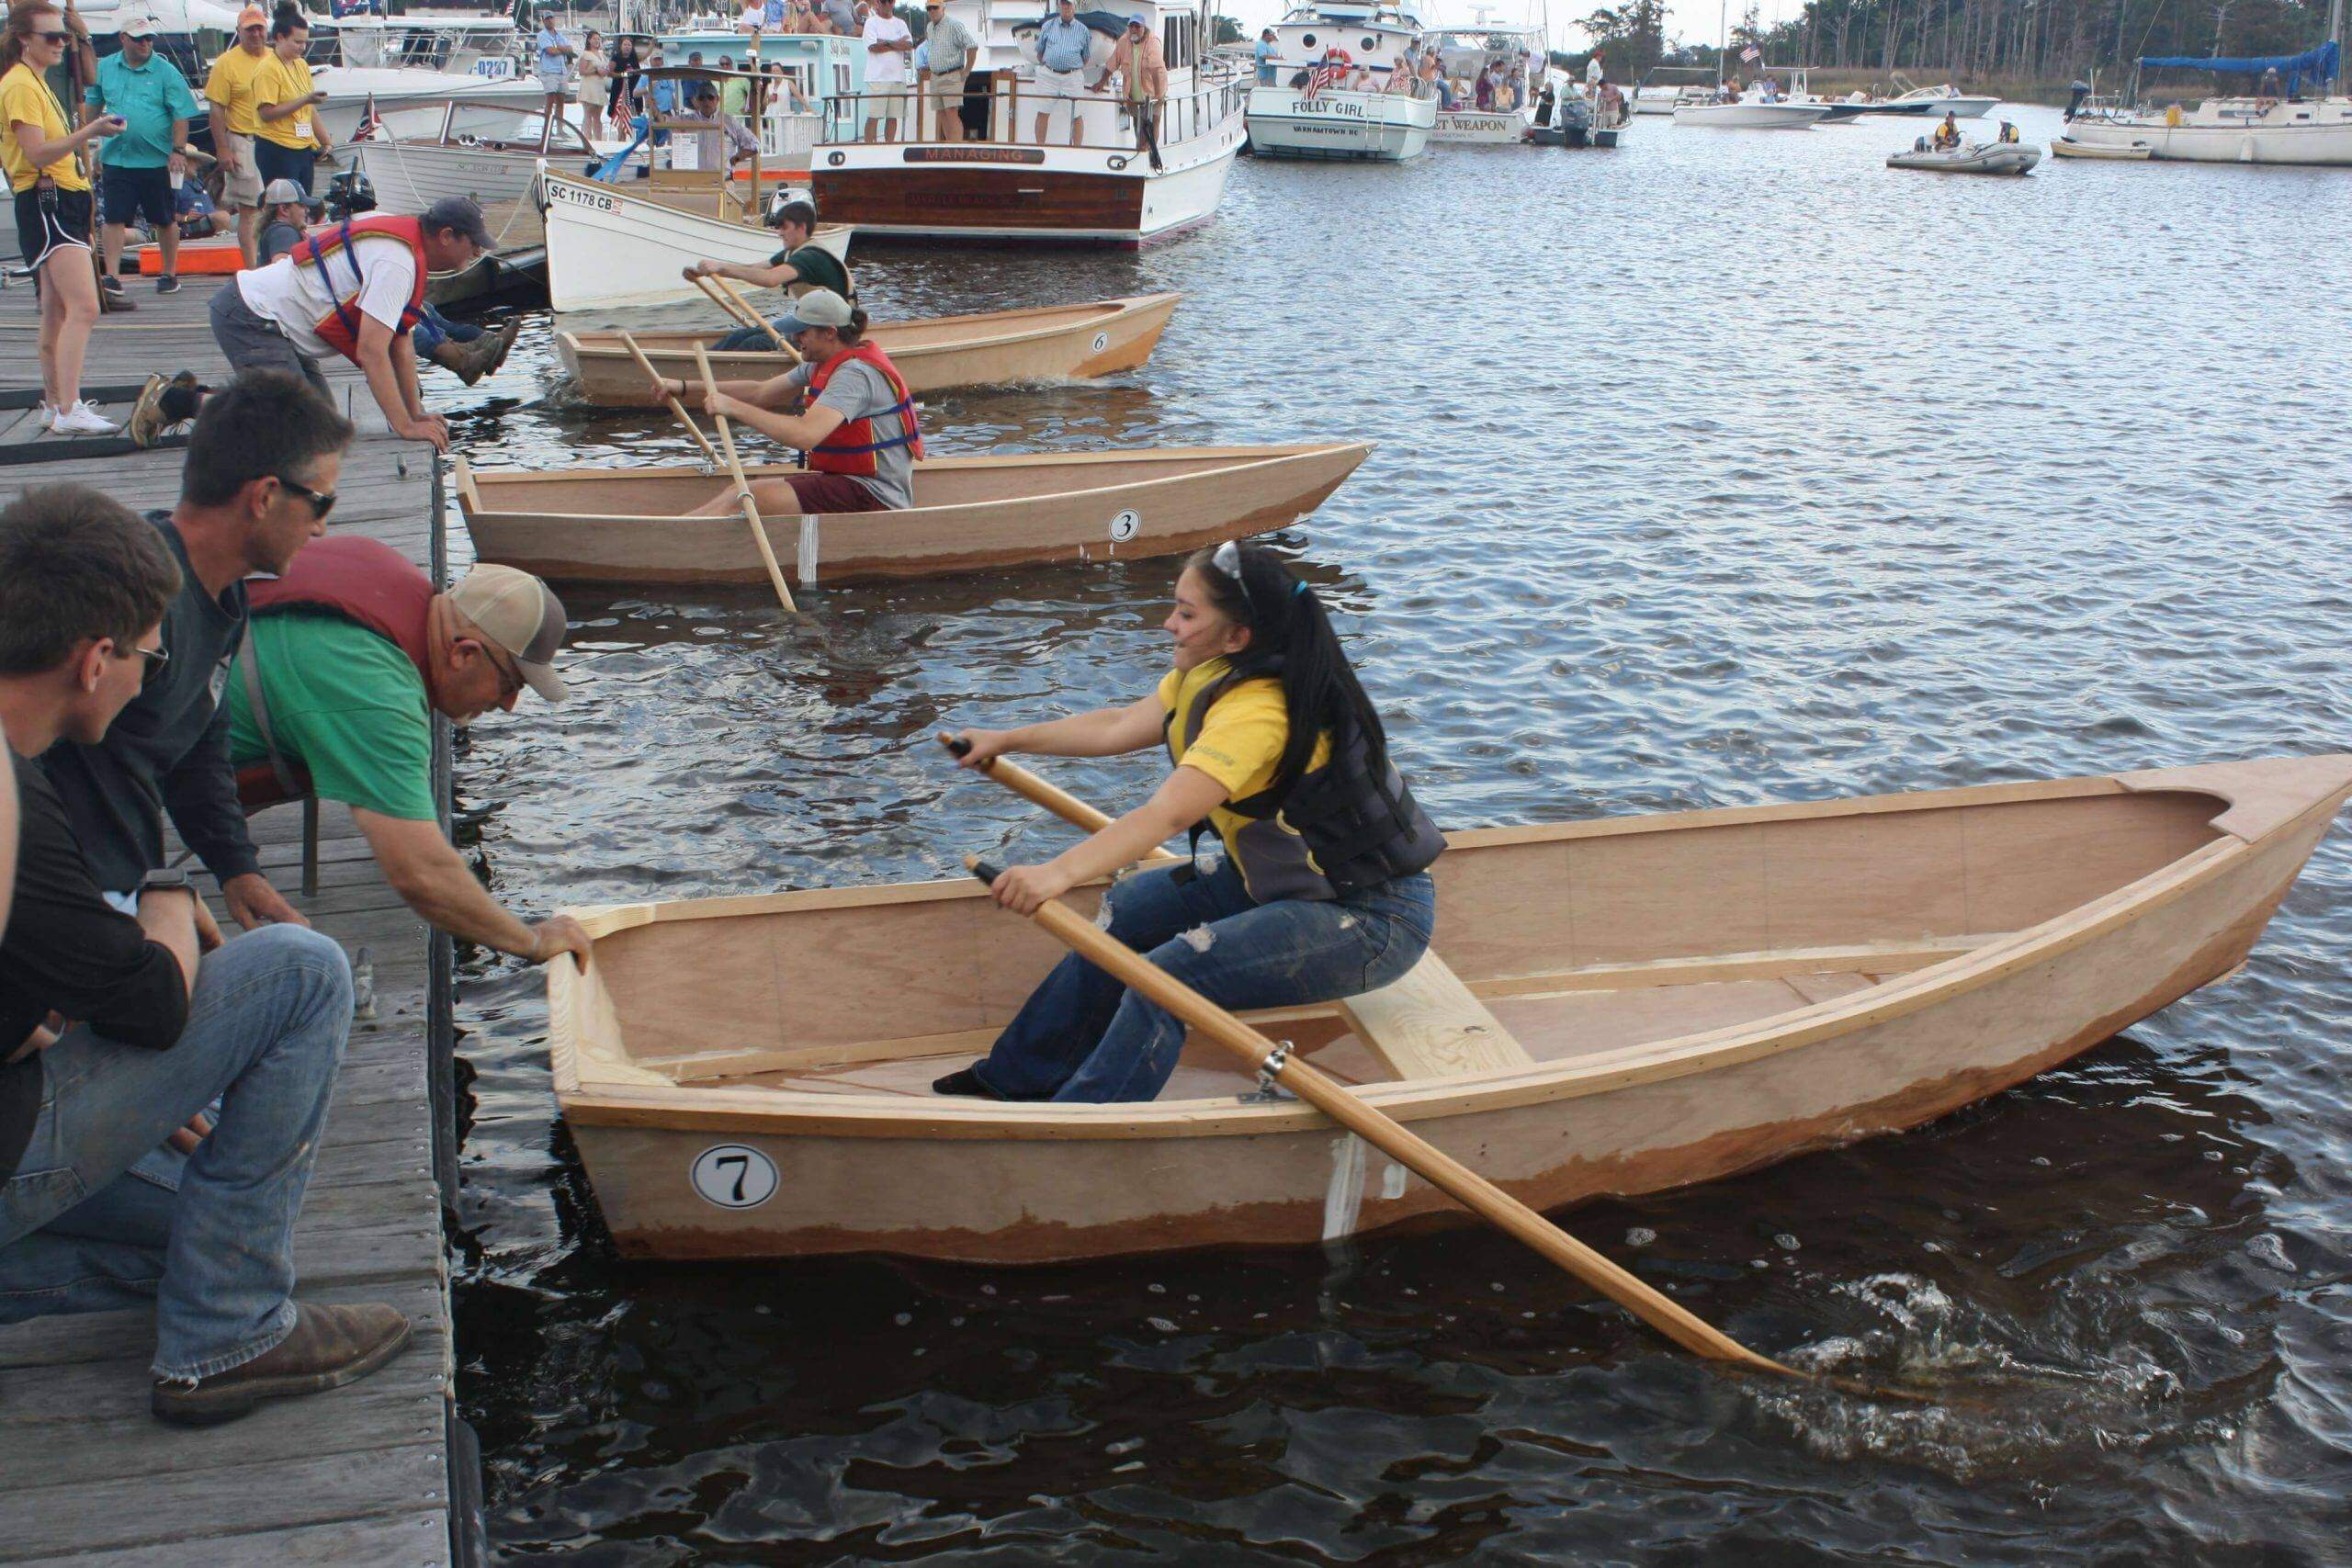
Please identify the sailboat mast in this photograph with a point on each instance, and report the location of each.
(2335, 34)
(1722, 39)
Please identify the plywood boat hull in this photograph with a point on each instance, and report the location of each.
(1065, 341)
(595, 525)
(1703, 994)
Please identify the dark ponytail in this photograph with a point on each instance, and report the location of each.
(288, 18)
(1290, 639)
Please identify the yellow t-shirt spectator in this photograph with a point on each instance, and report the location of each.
(230, 86)
(282, 82)
(24, 95)
(1241, 739)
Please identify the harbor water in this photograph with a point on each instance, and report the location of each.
(1722, 468)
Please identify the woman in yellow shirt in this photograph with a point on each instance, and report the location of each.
(52, 194)
(1323, 890)
(291, 136)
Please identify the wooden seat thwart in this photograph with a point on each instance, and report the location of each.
(1430, 1025)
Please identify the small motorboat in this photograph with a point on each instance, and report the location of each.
(632, 526)
(1044, 344)
(1612, 1007)
(1933, 102)
(2128, 153)
(1969, 158)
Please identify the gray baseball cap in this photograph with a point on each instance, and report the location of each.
(822, 308)
(519, 613)
(459, 213)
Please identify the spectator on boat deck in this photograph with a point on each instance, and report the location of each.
(1062, 44)
(552, 55)
(1485, 91)
(353, 652)
(949, 51)
(726, 143)
(889, 45)
(1263, 51)
(1142, 70)
(657, 97)
(292, 138)
(842, 17)
(2269, 90)
(144, 158)
(859, 431)
(772, 15)
(619, 91)
(588, 89)
(1323, 891)
(735, 91)
(1594, 73)
(797, 268)
(165, 1020)
(754, 17)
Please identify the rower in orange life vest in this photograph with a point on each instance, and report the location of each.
(355, 289)
(859, 430)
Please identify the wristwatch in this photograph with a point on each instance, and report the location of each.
(165, 882)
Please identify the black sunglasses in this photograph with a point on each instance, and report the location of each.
(156, 658)
(322, 501)
(54, 38)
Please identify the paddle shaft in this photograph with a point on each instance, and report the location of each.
(661, 389)
(1030, 787)
(733, 304)
(751, 313)
(743, 488)
(1442, 1170)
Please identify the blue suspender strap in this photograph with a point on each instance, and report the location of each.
(907, 435)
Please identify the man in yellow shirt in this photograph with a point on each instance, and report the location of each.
(286, 105)
(235, 124)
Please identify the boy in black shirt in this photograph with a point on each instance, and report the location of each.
(152, 1030)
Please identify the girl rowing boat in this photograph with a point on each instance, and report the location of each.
(1323, 891)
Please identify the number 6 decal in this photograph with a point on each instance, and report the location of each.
(733, 1177)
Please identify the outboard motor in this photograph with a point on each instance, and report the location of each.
(349, 193)
(2081, 90)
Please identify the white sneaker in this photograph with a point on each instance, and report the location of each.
(83, 420)
(45, 414)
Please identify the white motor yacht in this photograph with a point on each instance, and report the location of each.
(1336, 61)
(1765, 104)
(1465, 54)
(1933, 102)
(1664, 88)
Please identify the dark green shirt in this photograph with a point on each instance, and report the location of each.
(817, 268)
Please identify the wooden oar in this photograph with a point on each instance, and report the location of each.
(661, 389)
(1028, 785)
(1442, 1171)
(753, 313)
(738, 310)
(743, 488)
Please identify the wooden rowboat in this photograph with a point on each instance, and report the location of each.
(596, 526)
(1620, 1006)
(1051, 343)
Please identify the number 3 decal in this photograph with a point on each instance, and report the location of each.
(733, 1177)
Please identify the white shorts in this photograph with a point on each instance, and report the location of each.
(1058, 92)
(554, 83)
(887, 100)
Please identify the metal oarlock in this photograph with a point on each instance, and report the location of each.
(1269, 1070)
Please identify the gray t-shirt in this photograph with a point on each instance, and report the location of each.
(842, 14)
(858, 391)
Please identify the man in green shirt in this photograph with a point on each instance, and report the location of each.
(798, 267)
(349, 655)
(144, 161)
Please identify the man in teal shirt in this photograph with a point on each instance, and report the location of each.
(142, 163)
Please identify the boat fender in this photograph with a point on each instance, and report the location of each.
(1343, 1199)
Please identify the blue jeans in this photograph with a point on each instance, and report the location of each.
(433, 329)
(1083, 1037)
(81, 1230)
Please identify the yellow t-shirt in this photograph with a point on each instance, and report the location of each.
(281, 82)
(24, 95)
(1241, 739)
(231, 86)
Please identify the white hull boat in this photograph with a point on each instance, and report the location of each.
(610, 247)
(2308, 132)
(1379, 127)
(1748, 114)
(1971, 158)
(1490, 128)
(1933, 102)
(413, 102)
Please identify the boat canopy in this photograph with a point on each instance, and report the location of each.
(2324, 63)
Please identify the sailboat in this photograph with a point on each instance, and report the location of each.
(2286, 128)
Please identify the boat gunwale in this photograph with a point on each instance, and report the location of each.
(781, 1112)
(1259, 457)
(1104, 312)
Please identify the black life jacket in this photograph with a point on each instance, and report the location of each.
(1337, 831)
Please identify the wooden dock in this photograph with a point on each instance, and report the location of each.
(379, 1473)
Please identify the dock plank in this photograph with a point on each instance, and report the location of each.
(359, 1475)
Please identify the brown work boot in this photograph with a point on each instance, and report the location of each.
(146, 420)
(469, 362)
(330, 1346)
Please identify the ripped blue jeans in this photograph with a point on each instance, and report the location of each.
(1083, 1037)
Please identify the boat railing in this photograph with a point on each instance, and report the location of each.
(1014, 109)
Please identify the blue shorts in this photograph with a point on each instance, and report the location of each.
(132, 194)
(276, 163)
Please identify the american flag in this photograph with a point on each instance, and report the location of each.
(1328, 71)
(369, 123)
(1751, 54)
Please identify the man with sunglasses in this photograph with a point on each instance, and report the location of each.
(351, 654)
(257, 485)
(162, 1018)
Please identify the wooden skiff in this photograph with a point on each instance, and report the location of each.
(1632, 1005)
(598, 525)
(1054, 342)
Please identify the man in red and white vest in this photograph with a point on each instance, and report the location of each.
(859, 430)
(354, 287)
